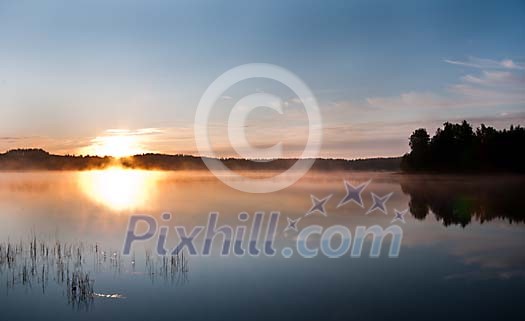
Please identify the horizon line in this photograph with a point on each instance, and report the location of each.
(195, 156)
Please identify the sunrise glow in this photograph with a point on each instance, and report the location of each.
(116, 143)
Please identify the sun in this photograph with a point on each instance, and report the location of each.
(117, 144)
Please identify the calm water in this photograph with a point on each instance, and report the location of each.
(461, 257)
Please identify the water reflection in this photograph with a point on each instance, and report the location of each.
(459, 200)
(119, 189)
(35, 265)
(434, 259)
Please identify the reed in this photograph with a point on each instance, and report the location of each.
(34, 262)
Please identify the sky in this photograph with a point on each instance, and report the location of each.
(76, 74)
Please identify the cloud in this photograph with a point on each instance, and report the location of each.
(489, 78)
(483, 89)
(390, 138)
(409, 100)
(481, 63)
(52, 144)
(135, 132)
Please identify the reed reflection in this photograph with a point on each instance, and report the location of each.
(36, 264)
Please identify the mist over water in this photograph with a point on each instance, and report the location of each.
(462, 250)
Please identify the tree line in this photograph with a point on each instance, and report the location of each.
(39, 159)
(458, 148)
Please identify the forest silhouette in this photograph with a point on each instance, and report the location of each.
(39, 159)
(458, 148)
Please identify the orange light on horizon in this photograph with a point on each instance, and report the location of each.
(116, 144)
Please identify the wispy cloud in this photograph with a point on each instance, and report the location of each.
(135, 132)
(483, 89)
(482, 63)
(495, 78)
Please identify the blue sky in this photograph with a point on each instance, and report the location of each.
(72, 70)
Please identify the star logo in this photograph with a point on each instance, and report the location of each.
(318, 205)
(379, 203)
(353, 194)
(400, 216)
(292, 224)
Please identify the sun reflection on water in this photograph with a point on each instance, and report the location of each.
(119, 189)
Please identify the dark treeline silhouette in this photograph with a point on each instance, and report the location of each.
(457, 201)
(458, 148)
(38, 159)
(177, 162)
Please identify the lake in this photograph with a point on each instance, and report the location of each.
(461, 254)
